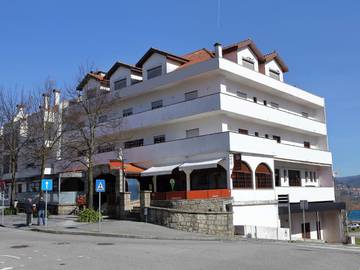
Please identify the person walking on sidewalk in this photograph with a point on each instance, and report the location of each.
(41, 211)
(29, 212)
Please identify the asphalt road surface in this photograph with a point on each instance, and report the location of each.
(32, 250)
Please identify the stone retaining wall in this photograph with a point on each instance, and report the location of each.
(210, 216)
(215, 223)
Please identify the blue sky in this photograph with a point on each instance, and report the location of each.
(319, 41)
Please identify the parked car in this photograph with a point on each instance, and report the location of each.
(353, 226)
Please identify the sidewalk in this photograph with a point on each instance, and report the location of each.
(109, 228)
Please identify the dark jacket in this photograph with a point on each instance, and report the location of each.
(40, 205)
(28, 207)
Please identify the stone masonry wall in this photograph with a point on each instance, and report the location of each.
(210, 216)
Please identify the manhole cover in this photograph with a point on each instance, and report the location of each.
(105, 244)
(20, 246)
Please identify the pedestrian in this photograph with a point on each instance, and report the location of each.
(41, 211)
(29, 212)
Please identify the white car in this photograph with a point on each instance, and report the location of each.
(354, 226)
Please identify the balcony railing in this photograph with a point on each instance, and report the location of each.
(192, 195)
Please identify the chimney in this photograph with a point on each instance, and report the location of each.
(56, 97)
(218, 50)
(46, 101)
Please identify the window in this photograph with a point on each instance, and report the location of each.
(102, 118)
(154, 72)
(256, 134)
(255, 99)
(274, 74)
(277, 178)
(35, 186)
(127, 112)
(305, 114)
(274, 105)
(191, 95)
(315, 177)
(277, 138)
(156, 104)
(285, 174)
(6, 164)
(307, 144)
(28, 187)
(120, 84)
(192, 133)
(306, 176)
(242, 177)
(243, 131)
(241, 94)
(19, 190)
(267, 136)
(106, 148)
(294, 178)
(159, 139)
(134, 143)
(265, 103)
(263, 177)
(248, 63)
(311, 176)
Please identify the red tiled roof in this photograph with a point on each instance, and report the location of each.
(275, 56)
(97, 75)
(243, 44)
(197, 56)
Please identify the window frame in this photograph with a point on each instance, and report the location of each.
(196, 130)
(188, 95)
(248, 63)
(118, 81)
(127, 112)
(275, 74)
(157, 104)
(153, 69)
(159, 138)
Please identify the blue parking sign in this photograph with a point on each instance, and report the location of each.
(46, 184)
(100, 185)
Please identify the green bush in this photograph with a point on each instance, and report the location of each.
(10, 211)
(89, 215)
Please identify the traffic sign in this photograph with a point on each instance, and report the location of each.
(46, 184)
(100, 185)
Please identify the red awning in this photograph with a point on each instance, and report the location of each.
(128, 167)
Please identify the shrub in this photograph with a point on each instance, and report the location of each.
(10, 211)
(89, 215)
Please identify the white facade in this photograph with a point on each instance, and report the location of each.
(230, 97)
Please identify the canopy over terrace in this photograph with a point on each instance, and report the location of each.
(189, 180)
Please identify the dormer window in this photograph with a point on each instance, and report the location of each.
(248, 63)
(154, 72)
(275, 74)
(120, 84)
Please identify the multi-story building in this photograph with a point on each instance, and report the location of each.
(221, 123)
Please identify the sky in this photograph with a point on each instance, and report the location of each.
(318, 40)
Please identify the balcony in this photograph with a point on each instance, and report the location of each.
(245, 108)
(313, 194)
(257, 145)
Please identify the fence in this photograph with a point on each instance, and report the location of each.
(261, 232)
(65, 198)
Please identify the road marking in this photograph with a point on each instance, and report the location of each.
(331, 248)
(7, 268)
(10, 256)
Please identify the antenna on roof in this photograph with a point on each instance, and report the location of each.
(218, 14)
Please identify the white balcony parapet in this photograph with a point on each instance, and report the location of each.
(311, 194)
(277, 117)
(262, 146)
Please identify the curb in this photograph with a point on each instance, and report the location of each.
(129, 236)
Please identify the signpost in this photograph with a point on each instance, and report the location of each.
(304, 205)
(46, 185)
(100, 187)
(284, 201)
(3, 207)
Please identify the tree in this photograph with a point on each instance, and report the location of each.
(14, 109)
(44, 127)
(88, 128)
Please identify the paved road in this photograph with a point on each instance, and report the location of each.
(31, 250)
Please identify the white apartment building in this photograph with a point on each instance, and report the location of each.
(222, 123)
